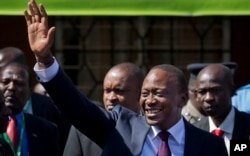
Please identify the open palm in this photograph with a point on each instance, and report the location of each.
(40, 36)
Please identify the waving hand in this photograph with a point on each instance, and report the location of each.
(41, 37)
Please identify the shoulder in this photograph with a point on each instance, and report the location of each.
(242, 91)
(201, 123)
(196, 130)
(38, 121)
(38, 98)
(243, 116)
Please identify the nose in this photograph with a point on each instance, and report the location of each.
(209, 96)
(11, 85)
(150, 99)
(112, 96)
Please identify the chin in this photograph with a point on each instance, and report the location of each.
(152, 122)
(9, 104)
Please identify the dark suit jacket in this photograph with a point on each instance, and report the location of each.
(42, 136)
(241, 129)
(121, 131)
(5, 149)
(79, 144)
(44, 107)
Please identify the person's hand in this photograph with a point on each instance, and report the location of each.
(41, 37)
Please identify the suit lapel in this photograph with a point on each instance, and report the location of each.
(192, 143)
(32, 135)
(139, 134)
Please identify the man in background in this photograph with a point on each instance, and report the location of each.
(192, 111)
(215, 87)
(36, 104)
(122, 85)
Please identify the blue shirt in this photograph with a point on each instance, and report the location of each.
(242, 99)
(176, 140)
(24, 148)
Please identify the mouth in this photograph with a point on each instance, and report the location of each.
(9, 98)
(210, 107)
(152, 112)
(109, 107)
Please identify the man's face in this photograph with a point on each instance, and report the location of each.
(213, 94)
(161, 99)
(5, 112)
(120, 89)
(15, 87)
(192, 95)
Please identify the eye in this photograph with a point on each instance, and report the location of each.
(201, 91)
(106, 90)
(216, 90)
(159, 94)
(5, 81)
(119, 91)
(144, 94)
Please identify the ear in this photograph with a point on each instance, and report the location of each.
(184, 99)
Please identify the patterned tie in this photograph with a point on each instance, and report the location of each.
(218, 132)
(164, 149)
(12, 132)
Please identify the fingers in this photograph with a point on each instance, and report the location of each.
(51, 34)
(37, 13)
(27, 17)
(44, 15)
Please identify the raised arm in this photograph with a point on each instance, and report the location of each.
(41, 37)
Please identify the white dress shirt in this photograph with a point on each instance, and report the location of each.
(227, 126)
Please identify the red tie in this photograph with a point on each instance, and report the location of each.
(218, 132)
(164, 149)
(12, 132)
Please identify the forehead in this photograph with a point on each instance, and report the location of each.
(159, 77)
(210, 80)
(13, 70)
(117, 77)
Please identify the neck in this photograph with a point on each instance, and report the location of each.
(221, 117)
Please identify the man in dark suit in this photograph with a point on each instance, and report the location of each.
(192, 111)
(36, 136)
(215, 88)
(5, 112)
(122, 85)
(37, 104)
(122, 131)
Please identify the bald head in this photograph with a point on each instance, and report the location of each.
(132, 71)
(218, 73)
(11, 54)
(214, 90)
(122, 85)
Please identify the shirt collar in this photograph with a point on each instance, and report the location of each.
(227, 125)
(177, 131)
(19, 118)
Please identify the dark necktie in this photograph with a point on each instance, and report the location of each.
(164, 149)
(218, 132)
(12, 132)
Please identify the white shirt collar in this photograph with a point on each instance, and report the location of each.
(227, 125)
